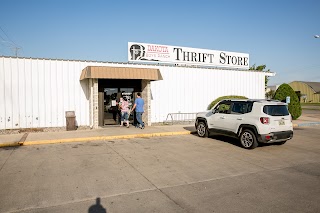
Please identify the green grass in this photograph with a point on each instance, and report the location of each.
(310, 104)
(310, 109)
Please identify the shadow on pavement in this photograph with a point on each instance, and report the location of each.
(298, 129)
(190, 128)
(226, 139)
(237, 143)
(97, 207)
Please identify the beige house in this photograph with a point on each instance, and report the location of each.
(309, 92)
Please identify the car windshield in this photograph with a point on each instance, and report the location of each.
(276, 110)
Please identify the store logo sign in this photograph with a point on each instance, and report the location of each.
(185, 55)
(137, 52)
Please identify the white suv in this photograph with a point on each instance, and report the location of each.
(251, 121)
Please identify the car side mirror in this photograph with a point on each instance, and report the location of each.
(214, 111)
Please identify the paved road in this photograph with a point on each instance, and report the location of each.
(168, 174)
(313, 107)
(307, 112)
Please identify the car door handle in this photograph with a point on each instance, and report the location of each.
(240, 119)
(222, 117)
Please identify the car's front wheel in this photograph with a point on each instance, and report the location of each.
(248, 139)
(202, 129)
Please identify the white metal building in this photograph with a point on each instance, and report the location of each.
(37, 92)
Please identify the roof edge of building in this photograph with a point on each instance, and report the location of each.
(269, 73)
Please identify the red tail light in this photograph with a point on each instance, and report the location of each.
(264, 120)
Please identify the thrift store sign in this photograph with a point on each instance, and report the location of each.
(138, 52)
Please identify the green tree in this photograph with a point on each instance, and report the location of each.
(225, 97)
(283, 91)
(270, 94)
(261, 68)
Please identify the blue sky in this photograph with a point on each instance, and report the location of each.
(274, 32)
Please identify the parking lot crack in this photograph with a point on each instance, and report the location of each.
(7, 159)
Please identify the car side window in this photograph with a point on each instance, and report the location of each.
(247, 107)
(241, 108)
(223, 107)
(237, 108)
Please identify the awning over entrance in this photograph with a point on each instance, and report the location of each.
(120, 73)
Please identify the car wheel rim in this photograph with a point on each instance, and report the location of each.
(247, 139)
(201, 130)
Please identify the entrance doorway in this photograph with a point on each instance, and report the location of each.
(111, 99)
(110, 92)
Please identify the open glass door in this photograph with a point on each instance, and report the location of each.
(111, 112)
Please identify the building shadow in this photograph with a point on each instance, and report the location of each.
(85, 87)
(97, 207)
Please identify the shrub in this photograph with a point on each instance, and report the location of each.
(270, 94)
(225, 97)
(294, 106)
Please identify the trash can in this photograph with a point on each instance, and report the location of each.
(70, 120)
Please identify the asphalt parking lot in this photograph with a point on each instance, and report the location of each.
(163, 174)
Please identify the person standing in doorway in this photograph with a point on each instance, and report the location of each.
(125, 111)
(138, 106)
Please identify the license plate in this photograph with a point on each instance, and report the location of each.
(281, 122)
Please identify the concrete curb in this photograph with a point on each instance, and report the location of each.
(11, 144)
(89, 139)
(306, 124)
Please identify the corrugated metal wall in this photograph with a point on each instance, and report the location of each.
(37, 92)
(188, 90)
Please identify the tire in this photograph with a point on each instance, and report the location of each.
(202, 129)
(248, 139)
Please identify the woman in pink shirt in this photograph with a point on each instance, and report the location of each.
(125, 111)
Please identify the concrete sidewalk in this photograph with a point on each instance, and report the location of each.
(115, 132)
(106, 133)
(309, 118)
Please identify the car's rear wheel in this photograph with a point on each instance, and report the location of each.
(248, 139)
(202, 129)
